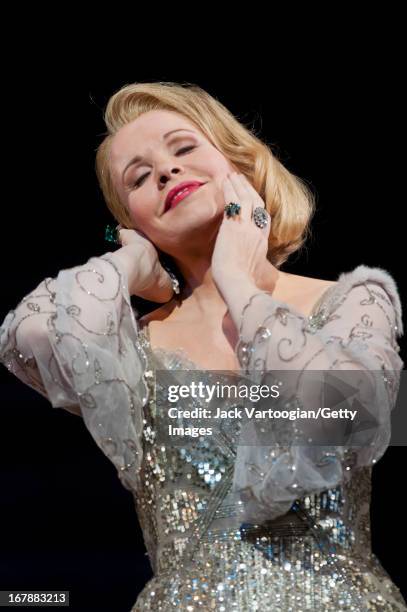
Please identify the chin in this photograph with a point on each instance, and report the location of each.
(190, 213)
(192, 229)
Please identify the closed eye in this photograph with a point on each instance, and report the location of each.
(141, 179)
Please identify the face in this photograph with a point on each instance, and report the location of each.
(167, 159)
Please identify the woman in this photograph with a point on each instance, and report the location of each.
(228, 524)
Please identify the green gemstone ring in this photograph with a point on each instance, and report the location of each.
(232, 209)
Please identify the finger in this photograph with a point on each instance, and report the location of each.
(118, 236)
(244, 197)
(255, 197)
(267, 228)
(257, 201)
(165, 281)
(242, 184)
(250, 189)
(230, 195)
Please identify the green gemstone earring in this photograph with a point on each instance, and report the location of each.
(112, 234)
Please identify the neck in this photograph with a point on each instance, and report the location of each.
(200, 296)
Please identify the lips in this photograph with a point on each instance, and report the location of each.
(185, 188)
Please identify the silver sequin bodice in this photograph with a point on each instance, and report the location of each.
(316, 557)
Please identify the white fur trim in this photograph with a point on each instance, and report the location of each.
(362, 274)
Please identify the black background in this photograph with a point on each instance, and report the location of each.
(66, 521)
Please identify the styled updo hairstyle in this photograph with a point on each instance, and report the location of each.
(288, 199)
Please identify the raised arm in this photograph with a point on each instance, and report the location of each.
(88, 293)
(25, 349)
(357, 330)
(74, 339)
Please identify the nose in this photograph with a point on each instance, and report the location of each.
(165, 175)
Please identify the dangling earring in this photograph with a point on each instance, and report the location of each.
(174, 279)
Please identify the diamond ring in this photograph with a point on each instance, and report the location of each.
(260, 217)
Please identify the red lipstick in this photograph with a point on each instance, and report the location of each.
(179, 192)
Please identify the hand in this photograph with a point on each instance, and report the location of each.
(241, 246)
(147, 278)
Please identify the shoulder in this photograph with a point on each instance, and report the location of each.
(301, 290)
(380, 283)
(297, 283)
(369, 274)
(363, 281)
(370, 284)
(359, 274)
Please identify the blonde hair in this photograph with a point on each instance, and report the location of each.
(287, 197)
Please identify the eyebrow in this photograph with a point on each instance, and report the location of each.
(138, 158)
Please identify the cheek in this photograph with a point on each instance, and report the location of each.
(138, 211)
(220, 165)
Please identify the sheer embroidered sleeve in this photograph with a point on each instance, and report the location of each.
(356, 329)
(74, 339)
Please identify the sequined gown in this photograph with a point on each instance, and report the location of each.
(303, 542)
